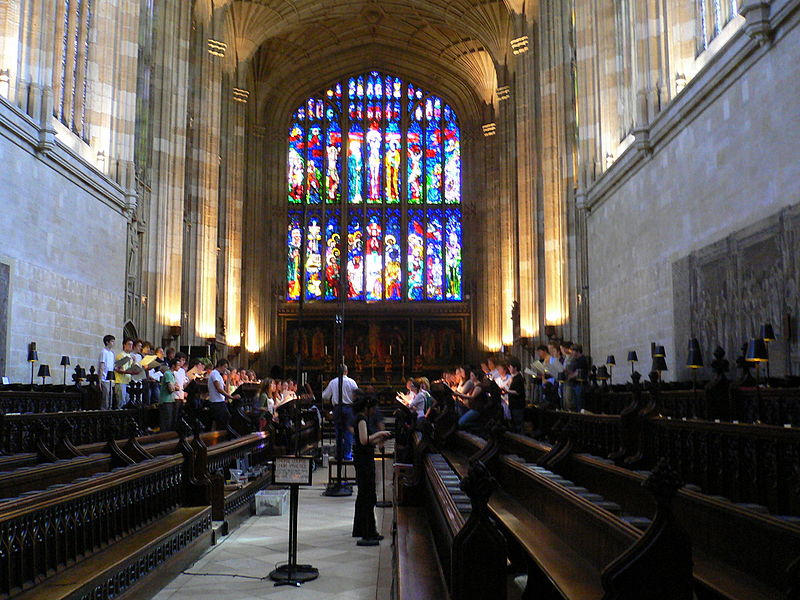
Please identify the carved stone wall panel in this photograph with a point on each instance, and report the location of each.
(739, 283)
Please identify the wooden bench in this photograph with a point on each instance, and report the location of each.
(737, 553)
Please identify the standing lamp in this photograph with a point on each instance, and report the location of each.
(65, 364)
(694, 360)
(757, 353)
(632, 358)
(659, 365)
(602, 373)
(768, 335)
(610, 363)
(44, 371)
(33, 356)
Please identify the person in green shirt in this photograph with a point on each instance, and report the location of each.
(166, 398)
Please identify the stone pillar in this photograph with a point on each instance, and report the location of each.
(557, 154)
(164, 170)
(528, 214)
(202, 193)
(231, 221)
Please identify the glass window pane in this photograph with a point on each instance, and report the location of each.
(295, 241)
(374, 255)
(355, 257)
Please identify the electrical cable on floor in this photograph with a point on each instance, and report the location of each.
(224, 575)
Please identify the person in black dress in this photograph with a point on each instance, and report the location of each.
(363, 458)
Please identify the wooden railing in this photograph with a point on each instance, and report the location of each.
(19, 433)
(744, 462)
(48, 531)
(36, 401)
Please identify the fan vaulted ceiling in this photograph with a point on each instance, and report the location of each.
(297, 47)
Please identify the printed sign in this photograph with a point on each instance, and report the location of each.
(292, 470)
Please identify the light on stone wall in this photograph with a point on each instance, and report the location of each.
(5, 83)
(609, 159)
(489, 129)
(519, 45)
(240, 95)
(252, 343)
(216, 48)
(101, 160)
(503, 92)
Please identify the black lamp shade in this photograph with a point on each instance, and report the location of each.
(695, 358)
(659, 363)
(602, 373)
(33, 356)
(632, 356)
(44, 371)
(610, 360)
(756, 351)
(767, 333)
(659, 351)
(65, 361)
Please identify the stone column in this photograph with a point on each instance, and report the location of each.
(202, 193)
(164, 170)
(525, 95)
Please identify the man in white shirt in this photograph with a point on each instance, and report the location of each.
(105, 364)
(217, 395)
(181, 378)
(343, 415)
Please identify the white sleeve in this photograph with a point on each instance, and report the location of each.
(328, 393)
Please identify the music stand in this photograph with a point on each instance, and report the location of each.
(293, 471)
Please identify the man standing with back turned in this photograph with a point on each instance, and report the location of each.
(343, 434)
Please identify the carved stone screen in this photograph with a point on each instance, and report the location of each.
(5, 276)
(726, 291)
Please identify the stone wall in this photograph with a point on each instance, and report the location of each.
(64, 239)
(723, 157)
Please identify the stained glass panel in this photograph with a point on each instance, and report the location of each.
(414, 145)
(314, 256)
(333, 153)
(374, 255)
(392, 230)
(393, 266)
(452, 253)
(332, 253)
(355, 258)
(315, 164)
(416, 254)
(433, 263)
(433, 154)
(452, 158)
(297, 161)
(295, 241)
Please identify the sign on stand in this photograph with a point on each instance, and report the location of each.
(293, 471)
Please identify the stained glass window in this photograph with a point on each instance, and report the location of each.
(374, 161)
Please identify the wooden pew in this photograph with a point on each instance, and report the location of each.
(737, 553)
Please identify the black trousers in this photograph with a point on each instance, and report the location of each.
(364, 518)
(166, 416)
(219, 414)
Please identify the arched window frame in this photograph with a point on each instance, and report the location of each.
(390, 221)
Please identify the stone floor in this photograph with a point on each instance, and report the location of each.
(346, 571)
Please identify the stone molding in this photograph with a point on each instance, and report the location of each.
(20, 129)
(731, 63)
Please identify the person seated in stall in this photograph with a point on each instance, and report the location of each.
(196, 371)
(407, 396)
(516, 396)
(475, 402)
(461, 386)
(503, 381)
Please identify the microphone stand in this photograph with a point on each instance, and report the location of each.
(336, 488)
